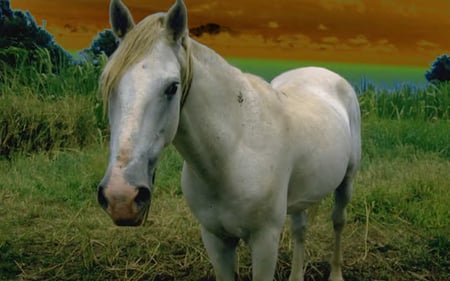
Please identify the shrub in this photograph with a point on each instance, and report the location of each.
(440, 70)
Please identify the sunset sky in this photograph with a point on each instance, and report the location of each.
(406, 32)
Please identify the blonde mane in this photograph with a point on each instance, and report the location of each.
(137, 43)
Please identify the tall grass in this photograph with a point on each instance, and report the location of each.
(45, 80)
(408, 102)
(30, 124)
(43, 110)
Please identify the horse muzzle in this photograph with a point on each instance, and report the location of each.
(127, 205)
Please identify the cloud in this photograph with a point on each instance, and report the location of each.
(359, 40)
(273, 24)
(363, 43)
(322, 27)
(402, 8)
(426, 45)
(330, 40)
(235, 13)
(290, 42)
(382, 46)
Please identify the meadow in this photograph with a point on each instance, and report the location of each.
(53, 153)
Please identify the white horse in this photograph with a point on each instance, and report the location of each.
(254, 152)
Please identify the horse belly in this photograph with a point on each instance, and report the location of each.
(309, 184)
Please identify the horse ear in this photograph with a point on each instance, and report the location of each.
(176, 20)
(120, 18)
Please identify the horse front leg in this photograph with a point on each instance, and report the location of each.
(264, 250)
(221, 253)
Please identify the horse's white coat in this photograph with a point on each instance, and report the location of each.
(254, 152)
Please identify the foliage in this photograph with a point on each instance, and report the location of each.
(5, 9)
(105, 43)
(440, 70)
(21, 39)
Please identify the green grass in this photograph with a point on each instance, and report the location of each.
(51, 227)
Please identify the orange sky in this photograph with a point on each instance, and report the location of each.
(410, 32)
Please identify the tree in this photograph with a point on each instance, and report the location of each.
(18, 31)
(440, 70)
(5, 9)
(104, 43)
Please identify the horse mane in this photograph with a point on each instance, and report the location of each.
(136, 44)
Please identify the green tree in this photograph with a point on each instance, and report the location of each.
(18, 31)
(440, 70)
(104, 43)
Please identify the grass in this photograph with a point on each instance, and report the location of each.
(42, 110)
(51, 227)
(31, 124)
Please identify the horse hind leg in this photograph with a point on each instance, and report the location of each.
(342, 196)
(298, 229)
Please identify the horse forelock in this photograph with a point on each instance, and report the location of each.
(133, 48)
(138, 42)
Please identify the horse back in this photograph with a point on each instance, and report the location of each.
(313, 85)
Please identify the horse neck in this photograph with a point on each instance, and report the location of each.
(211, 114)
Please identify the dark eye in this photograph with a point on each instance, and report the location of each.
(171, 90)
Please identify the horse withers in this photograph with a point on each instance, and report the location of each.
(253, 152)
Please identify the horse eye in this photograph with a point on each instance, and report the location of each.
(172, 89)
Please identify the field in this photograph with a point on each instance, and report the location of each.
(53, 153)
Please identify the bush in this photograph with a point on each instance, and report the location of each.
(440, 70)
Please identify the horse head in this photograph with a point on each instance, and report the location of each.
(143, 84)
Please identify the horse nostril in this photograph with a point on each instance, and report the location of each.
(101, 197)
(143, 196)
